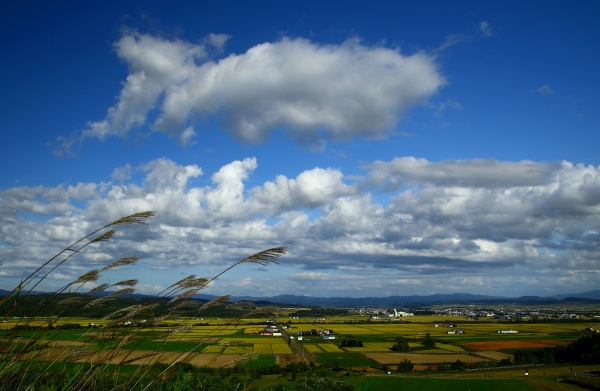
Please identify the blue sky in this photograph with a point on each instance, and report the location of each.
(395, 149)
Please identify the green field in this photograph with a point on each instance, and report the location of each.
(377, 383)
(345, 359)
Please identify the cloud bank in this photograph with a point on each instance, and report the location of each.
(311, 92)
(408, 226)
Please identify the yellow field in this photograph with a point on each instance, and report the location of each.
(450, 348)
(281, 349)
(263, 348)
(238, 349)
(213, 349)
(242, 340)
(329, 347)
(252, 329)
(418, 330)
(372, 347)
(312, 348)
(232, 341)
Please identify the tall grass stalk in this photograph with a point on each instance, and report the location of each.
(31, 356)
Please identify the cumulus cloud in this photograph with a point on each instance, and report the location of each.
(310, 189)
(310, 91)
(476, 223)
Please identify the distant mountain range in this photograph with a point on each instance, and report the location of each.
(416, 300)
(404, 301)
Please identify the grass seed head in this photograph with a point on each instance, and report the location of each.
(216, 301)
(136, 218)
(92, 275)
(104, 237)
(266, 257)
(185, 295)
(126, 283)
(122, 262)
(97, 289)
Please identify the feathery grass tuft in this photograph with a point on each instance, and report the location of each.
(266, 257)
(26, 361)
(98, 289)
(136, 218)
(104, 237)
(121, 262)
(92, 275)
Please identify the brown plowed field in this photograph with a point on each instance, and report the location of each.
(417, 358)
(513, 344)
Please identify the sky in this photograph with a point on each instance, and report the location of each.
(394, 148)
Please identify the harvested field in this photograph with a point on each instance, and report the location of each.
(285, 359)
(415, 358)
(223, 360)
(202, 360)
(513, 344)
(54, 354)
(433, 351)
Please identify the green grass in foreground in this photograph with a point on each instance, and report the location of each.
(346, 360)
(391, 382)
(264, 360)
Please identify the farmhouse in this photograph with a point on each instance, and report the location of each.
(507, 331)
(271, 329)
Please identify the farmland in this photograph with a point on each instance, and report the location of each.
(219, 343)
(477, 342)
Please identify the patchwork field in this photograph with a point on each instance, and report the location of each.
(221, 344)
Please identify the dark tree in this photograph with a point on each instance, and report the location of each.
(405, 366)
(428, 341)
(401, 345)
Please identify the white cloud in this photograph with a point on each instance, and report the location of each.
(461, 173)
(309, 91)
(312, 188)
(312, 276)
(475, 222)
